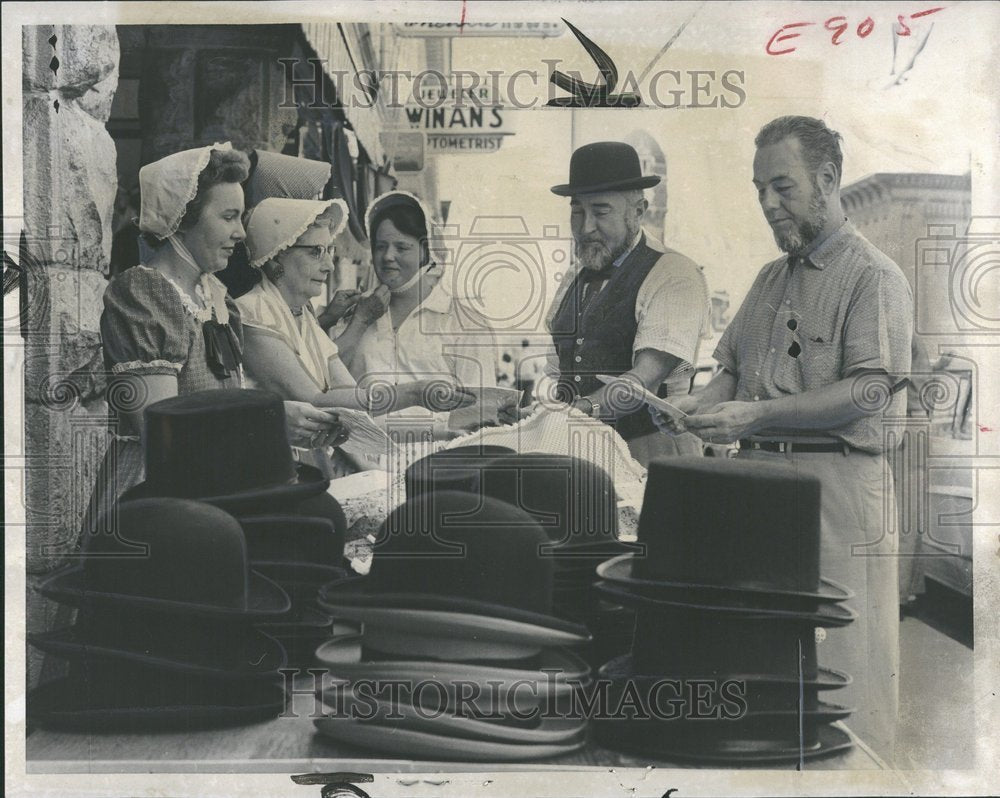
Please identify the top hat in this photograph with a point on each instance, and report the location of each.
(604, 166)
(171, 555)
(227, 447)
(721, 523)
(499, 575)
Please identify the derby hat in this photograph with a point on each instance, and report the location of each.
(459, 469)
(494, 572)
(227, 447)
(604, 166)
(191, 646)
(97, 697)
(170, 556)
(722, 523)
(294, 539)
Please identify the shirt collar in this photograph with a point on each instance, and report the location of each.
(621, 258)
(820, 252)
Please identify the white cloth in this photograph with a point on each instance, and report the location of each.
(168, 185)
(265, 309)
(276, 223)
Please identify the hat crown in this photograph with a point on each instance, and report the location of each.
(728, 523)
(293, 539)
(194, 554)
(605, 166)
(217, 442)
(500, 563)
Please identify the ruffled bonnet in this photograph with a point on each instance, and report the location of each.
(276, 223)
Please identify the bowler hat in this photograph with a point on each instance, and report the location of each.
(293, 539)
(604, 166)
(494, 571)
(170, 555)
(228, 447)
(189, 645)
(459, 469)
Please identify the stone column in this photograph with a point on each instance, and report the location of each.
(69, 80)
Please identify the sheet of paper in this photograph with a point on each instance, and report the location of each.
(366, 438)
(648, 397)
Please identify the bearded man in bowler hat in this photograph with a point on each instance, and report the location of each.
(816, 355)
(634, 309)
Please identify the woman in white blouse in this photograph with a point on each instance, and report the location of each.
(424, 334)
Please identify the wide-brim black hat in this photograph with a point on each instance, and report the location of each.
(604, 166)
(265, 599)
(307, 482)
(826, 615)
(175, 556)
(223, 652)
(72, 703)
(619, 570)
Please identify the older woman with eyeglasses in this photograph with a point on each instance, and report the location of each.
(287, 351)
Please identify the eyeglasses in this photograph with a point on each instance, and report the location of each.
(794, 350)
(317, 251)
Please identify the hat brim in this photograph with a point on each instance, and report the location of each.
(556, 668)
(619, 571)
(826, 615)
(406, 716)
(260, 659)
(826, 678)
(346, 596)
(430, 747)
(63, 704)
(447, 622)
(637, 739)
(265, 599)
(569, 190)
(308, 481)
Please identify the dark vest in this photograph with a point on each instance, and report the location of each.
(600, 340)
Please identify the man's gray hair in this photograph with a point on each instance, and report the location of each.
(819, 144)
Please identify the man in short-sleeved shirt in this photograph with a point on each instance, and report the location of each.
(812, 363)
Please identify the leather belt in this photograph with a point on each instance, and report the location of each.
(782, 447)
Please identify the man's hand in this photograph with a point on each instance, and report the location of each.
(373, 306)
(342, 302)
(725, 423)
(312, 428)
(664, 423)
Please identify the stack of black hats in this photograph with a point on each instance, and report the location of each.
(728, 596)
(459, 645)
(570, 498)
(174, 619)
(229, 448)
(165, 634)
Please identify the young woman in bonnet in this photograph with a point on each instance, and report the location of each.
(168, 326)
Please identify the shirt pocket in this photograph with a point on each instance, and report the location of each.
(817, 363)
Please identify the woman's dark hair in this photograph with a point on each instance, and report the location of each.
(274, 270)
(224, 166)
(409, 221)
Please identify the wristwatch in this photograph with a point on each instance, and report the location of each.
(589, 406)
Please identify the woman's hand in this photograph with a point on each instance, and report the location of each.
(312, 428)
(342, 302)
(437, 396)
(373, 306)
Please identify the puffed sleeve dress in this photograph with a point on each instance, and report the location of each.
(150, 326)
